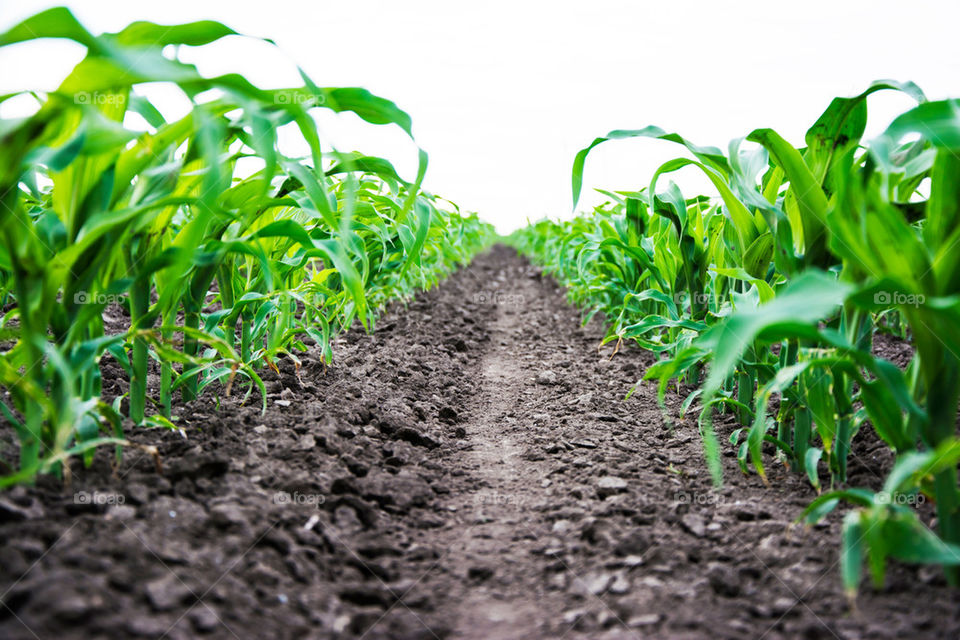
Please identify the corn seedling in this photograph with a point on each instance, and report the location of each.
(778, 285)
(221, 272)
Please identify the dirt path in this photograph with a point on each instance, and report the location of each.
(494, 541)
(469, 471)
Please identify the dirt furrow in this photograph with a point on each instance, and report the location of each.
(470, 470)
(493, 541)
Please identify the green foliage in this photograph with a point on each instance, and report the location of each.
(223, 271)
(776, 288)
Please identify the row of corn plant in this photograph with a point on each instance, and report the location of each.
(223, 269)
(773, 289)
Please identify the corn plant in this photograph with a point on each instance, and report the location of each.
(222, 272)
(802, 257)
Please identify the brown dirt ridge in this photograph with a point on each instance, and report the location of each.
(470, 470)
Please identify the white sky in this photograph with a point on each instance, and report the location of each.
(503, 94)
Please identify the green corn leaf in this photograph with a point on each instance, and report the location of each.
(804, 187)
(415, 248)
(942, 224)
(757, 257)
(851, 553)
(369, 107)
(57, 22)
(148, 34)
(807, 299)
(827, 502)
(908, 540)
(843, 123)
(811, 461)
(711, 156)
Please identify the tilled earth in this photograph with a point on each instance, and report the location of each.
(471, 470)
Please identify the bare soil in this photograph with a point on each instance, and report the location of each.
(470, 470)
